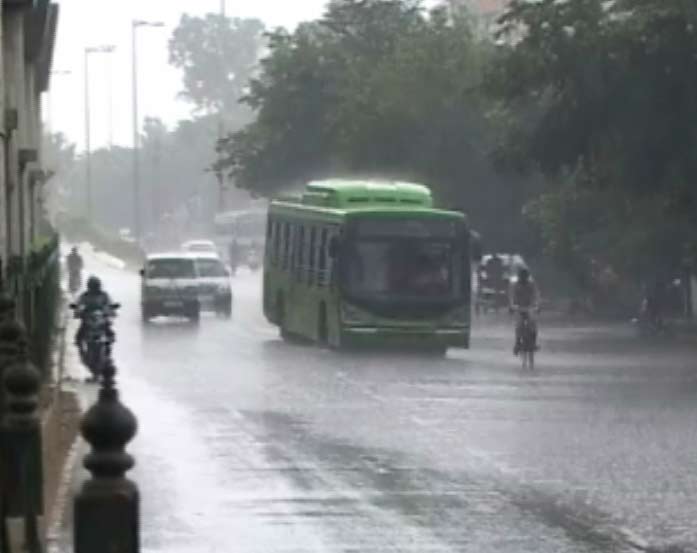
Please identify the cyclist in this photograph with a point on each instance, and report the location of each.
(523, 299)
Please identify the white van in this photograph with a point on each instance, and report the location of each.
(170, 287)
(215, 291)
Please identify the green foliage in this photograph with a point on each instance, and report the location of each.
(217, 56)
(605, 92)
(381, 88)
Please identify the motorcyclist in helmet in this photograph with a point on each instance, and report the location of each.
(523, 297)
(93, 299)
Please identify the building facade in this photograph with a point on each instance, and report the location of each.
(28, 29)
(28, 36)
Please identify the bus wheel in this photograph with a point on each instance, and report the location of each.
(322, 331)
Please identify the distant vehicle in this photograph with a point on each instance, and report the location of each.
(215, 292)
(170, 287)
(200, 246)
(368, 263)
(486, 296)
(245, 228)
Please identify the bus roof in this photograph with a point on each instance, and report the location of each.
(228, 216)
(361, 194)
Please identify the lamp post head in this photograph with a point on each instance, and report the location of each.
(145, 23)
(102, 49)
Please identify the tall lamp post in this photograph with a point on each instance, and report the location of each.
(104, 49)
(135, 25)
(221, 116)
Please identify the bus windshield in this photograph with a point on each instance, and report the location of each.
(400, 269)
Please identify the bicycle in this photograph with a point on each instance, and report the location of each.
(527, 338)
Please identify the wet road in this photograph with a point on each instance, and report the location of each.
(249, 444)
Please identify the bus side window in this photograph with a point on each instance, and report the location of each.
(300, 250)
(311, 269)
(272, 243)
(322, 272)
(331, 262)
(287, 246)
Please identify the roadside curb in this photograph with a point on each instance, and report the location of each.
(60, 429)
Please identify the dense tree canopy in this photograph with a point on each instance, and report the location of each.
(382, 88)
(602, 98)
(217, 56)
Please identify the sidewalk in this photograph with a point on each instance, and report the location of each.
(65, 399)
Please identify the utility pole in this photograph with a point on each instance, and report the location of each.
(88, 147)
(105, 49)
(135, 24)
(221, 114)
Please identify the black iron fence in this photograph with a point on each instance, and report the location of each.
(106, 509)
(34, 283)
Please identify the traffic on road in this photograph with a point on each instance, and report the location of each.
(264, 427)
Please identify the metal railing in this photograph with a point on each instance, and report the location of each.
(34, 283)
(106, 509)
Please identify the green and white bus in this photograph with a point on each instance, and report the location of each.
(349, 263)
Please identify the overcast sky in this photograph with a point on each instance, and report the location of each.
(101, 22)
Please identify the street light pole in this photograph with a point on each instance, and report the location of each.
(106, 49)
(221, 121)
(88, 148)
(136, 167)
(136, 124)
(110, 105)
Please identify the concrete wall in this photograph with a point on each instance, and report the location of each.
(26, 46)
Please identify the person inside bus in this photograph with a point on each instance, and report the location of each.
(429, 276)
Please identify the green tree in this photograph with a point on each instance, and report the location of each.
(604, 93)
(382, 88)
(217, 56)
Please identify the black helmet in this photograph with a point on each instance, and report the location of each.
(523, 274)
(94, 284)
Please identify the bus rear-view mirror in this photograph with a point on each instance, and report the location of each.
(476, 250)
(142, 272)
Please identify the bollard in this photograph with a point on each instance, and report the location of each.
(107, 507)
(10, 336)
(23, 474)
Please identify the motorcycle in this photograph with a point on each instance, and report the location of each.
(527, 340)
(95, 349)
